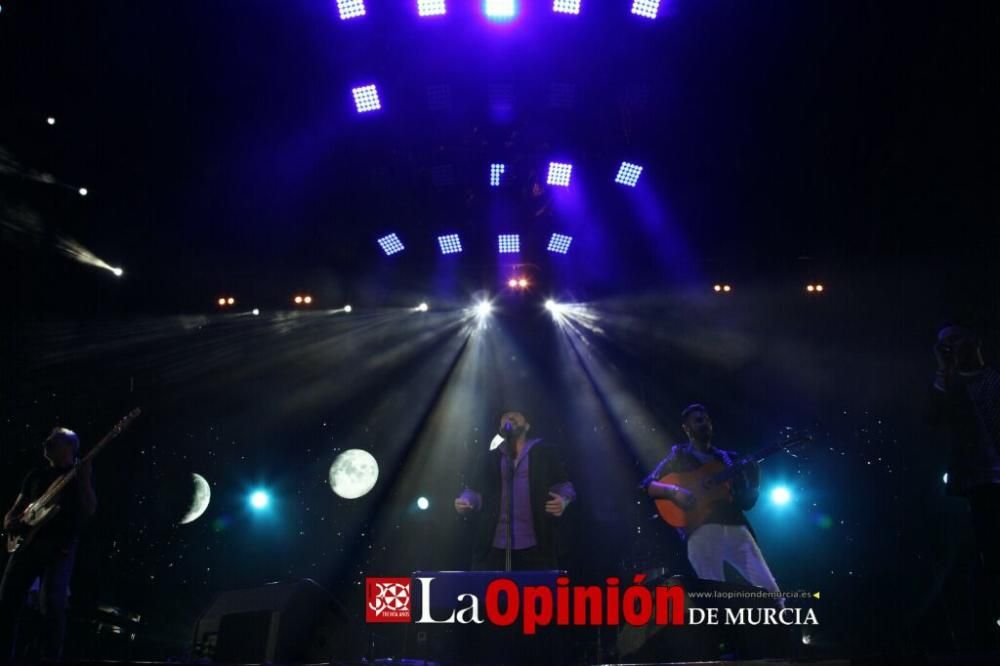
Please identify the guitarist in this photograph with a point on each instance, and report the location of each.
(51, 553)
(725, 536)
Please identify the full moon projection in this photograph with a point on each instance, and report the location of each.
(200, 499)
(353, 474)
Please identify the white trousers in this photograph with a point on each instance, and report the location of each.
(712, 545)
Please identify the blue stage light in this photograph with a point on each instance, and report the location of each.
(450, 244)
(501, 10)
(431, 8)
(566, 6)
(628, 174)
(646, 8)
(260, 500)
(509, 243)
(496, 170)
(366, 98)
(781, 495)
(391, 244)
(559, 174)
(559, 243)
(351, 8)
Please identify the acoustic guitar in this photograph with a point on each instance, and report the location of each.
(711, 484)
(37, 514)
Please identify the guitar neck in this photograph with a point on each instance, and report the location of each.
(756, 456)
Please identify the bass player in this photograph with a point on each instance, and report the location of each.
(51, 553)
(725, 536)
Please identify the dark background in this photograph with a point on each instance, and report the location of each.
(784, 143)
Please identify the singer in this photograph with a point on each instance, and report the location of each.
(517, 490)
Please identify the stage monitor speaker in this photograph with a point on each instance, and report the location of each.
(277, 622)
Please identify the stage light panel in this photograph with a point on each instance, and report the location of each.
(423, 503)
(509, 243)
(297, 300)
(522, 284)
(566, 6)
(350, 9)
(559, 243)
(366, 98)
(628, 174)
(450, 244)
(646, 8)
(307, 300)
(496, 171)
(512, 283)
(83, 191)
(391, 244)
(431, 7)
(559, 174)
(501, 10)
(50, 120)
(348, 309)
(222, 302)
(483, 309)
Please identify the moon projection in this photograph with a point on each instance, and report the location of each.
(199, 501)
(353, 473)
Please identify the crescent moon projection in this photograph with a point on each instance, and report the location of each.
(353, 473)
(199, 502)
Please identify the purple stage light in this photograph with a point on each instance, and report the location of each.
(628, 174)
(496, 170)
(391, 244)
(431, 8)
(501, 10)
(559, 173)
(559, 243)
(566, 6)
(450, 244)
(351, 8)
(366, 98)
(509, 243)
(646, 8)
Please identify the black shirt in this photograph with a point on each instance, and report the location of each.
(744, 486)
(64, 528)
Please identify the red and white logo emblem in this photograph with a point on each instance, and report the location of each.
(388, 599)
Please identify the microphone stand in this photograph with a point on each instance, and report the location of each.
(508, 454)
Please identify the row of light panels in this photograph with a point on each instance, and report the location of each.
(452, 244)
(495, 10)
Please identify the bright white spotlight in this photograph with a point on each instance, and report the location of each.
(522, 283)
(646, 8)
(50, 120)
(483, 309)
(422, 307)
(566, 6)
(501, 10)
(347, 308)
(431, 8)
(781, 495)
(366, 98)
(350, 8)
(230, 301)
(307, 300)
(423, 503)
(260, 500)
(945, 478)
(559, 174)
(255, 312)
(83, 191)
(118, 271)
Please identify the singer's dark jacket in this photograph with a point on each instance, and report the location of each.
(545, 470)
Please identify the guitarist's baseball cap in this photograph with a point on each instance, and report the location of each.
(63, 435)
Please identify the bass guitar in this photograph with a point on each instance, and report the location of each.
(711, 484)
(37, 514)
